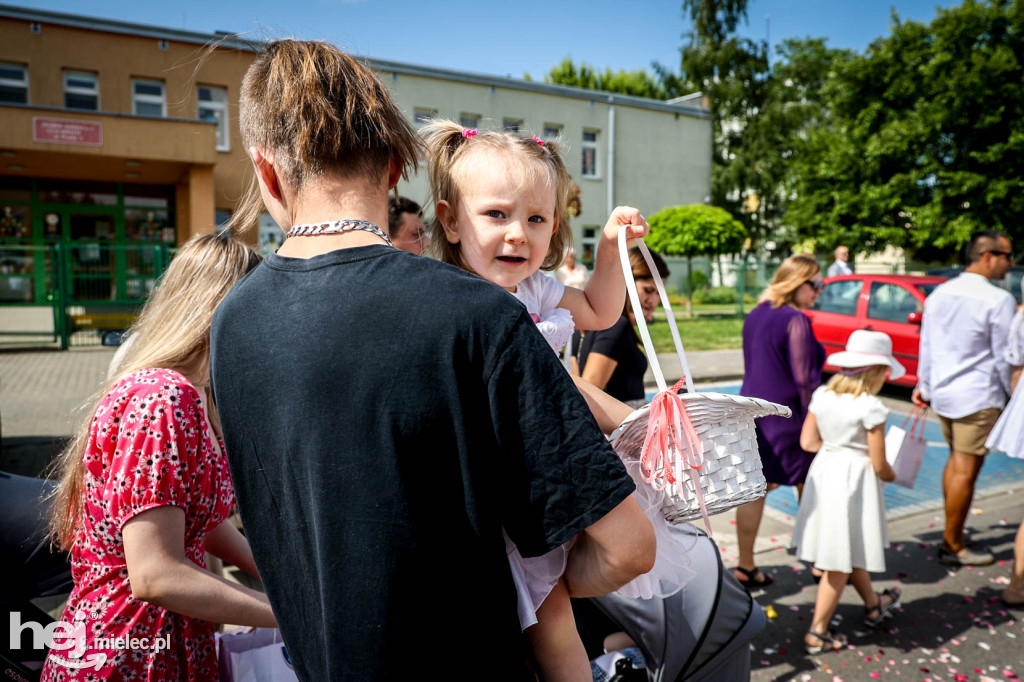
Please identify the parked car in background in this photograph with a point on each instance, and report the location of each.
(1010, 283)
(883, 303)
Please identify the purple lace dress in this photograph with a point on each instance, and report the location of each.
(782, 363)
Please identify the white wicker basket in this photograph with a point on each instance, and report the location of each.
(724, 426)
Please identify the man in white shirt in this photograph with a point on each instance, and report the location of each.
(840, 266)
(963, 376)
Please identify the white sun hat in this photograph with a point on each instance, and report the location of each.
(867, 349)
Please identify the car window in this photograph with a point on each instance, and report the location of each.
(891, 302)
(926, 289)
(839, 297)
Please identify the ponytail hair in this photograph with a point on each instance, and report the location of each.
(449, 144)
(320, 110)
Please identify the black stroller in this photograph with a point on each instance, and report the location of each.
(31, 570)
(701, 633)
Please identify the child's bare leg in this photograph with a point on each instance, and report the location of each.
(861, 581)
(555, 642)
(829, 590)
(618, 641)
(1017, 575)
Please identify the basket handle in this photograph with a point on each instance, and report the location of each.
(641, 323)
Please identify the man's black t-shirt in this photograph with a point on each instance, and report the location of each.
(385, 415)
(619, 343)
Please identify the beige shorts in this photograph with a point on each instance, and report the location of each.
(968, 434)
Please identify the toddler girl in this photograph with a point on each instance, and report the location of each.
(500, 203)
(841, 525)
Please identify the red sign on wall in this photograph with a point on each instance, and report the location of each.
(65, 131)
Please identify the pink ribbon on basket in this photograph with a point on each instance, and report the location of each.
(669, 428)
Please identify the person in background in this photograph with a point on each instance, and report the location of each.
(841, 266)
(145, 491)
(611, 359)
(964, 377)
(405, 225)
(386, 415)
(572, 274)
(782, 362)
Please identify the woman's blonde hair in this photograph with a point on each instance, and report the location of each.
(447, 147)
(793, 272)
(319, 110)
(869, 381)
(171, 332)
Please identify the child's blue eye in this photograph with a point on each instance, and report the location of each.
(495, 214)
(536, 219)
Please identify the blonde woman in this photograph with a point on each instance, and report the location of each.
(782, 363)
(144, 491)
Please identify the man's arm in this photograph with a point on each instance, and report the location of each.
(922, 393)
(611, 552)
(1002, 318)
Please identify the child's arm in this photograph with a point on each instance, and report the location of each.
(876, 450)
(608, 411)
(600, 304)
(556, 644)
(810, 437)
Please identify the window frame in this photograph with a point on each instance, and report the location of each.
(591, 145)
(552, 131)
(80, 91)
(422, 116)
(143, 98)
(7, 82)
(464, 120)
(215, 105)
(512, 125)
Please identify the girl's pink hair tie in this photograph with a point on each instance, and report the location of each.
(468, 132)
(538, 140)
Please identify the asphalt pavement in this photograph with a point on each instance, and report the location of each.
(951, 626)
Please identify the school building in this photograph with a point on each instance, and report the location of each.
(120, 141)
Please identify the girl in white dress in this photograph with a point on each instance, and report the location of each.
(501, 201)
(841, 525)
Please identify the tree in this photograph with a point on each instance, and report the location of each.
(694, 230)
(638, 83)
(924, 138)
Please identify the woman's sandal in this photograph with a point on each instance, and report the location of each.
(881, 610)
(754, 579)
(830, 641)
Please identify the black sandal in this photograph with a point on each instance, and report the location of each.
(894, 594)
(830, 641)
(754, 579)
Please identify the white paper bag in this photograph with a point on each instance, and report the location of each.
(254, 656)
(904, 449)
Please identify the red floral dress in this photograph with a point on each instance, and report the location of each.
(149, 446)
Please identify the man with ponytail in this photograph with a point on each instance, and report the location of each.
(375, 412)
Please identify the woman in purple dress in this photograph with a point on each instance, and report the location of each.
(782, 362)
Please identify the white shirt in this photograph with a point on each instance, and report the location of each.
(961, 368)
(541, 295)
(839, 268)
(577, 277)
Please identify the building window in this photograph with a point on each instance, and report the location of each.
(213, 106)
(81, 90)
(469, 120)
(511, 125)
(13, 84)
(148, 98)
(590, 168)
(421, 117)
(551, 131)
(589, 244)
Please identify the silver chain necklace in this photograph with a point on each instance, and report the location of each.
(336, 226)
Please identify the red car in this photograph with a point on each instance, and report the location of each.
(885, 303)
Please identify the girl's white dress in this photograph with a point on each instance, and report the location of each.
(841, 523)
(1008, 434)
(535, 577)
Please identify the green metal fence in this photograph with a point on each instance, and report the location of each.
(87, 288)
